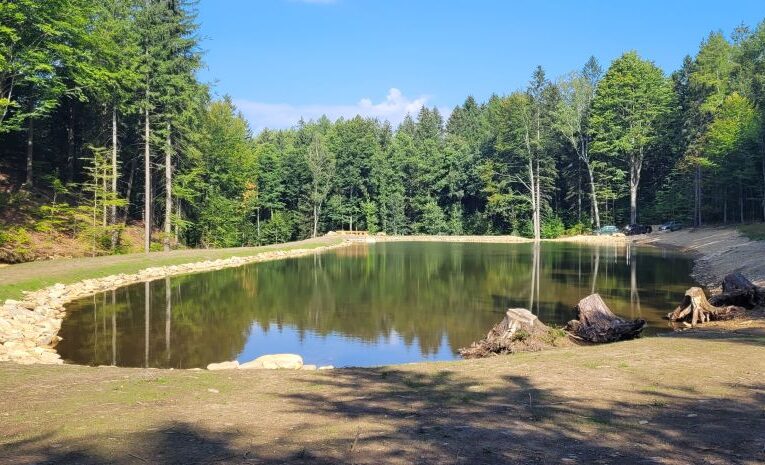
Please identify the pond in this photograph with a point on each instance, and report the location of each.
(365, 305)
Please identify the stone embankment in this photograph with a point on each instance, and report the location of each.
(29, 328)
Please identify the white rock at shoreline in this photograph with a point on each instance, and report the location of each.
(223, 366)
(274, 362)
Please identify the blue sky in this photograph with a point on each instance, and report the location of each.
(283, 59)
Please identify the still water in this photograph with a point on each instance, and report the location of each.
(365, 305)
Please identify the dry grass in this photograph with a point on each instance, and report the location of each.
(697, 398)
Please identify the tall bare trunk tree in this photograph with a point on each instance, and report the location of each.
(113, 215)
(147, 182)
(168, 189)
(321, 163)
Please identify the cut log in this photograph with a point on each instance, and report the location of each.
(738, 291)
(597, 323)
(520, 330)
(696, 308)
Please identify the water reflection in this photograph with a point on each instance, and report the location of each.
(364, 305)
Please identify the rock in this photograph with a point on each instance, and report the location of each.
(309, 367)
(223, 366)
(213, 390)
(326, 367)
(275, 361)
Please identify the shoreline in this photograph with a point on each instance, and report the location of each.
(29, 326)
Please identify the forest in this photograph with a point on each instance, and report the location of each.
(105, 125)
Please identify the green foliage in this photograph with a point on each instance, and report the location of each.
(42, 47)
(540, 161)
(577, 229)
(554, 335)
(370, 216)
(521, 335)
(755, 232)
(432, 219)
(630, 113)
(552, 227)
(15, 244)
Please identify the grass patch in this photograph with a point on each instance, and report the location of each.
(755, 232)
(36, 275)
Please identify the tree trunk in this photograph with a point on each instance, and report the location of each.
(538, 232)
(315, 220)
(129, 189)
(113, 218)
(30, 153)
(70, 158)
(633, 201)
(104, 190)
(738, 291)
(168, 190)
(520, 330)
(578, 191)
(594, 197)
(698, 309)
(741, 200)
(636, 165)
(596, 323)
(532, 191)
(147, 185)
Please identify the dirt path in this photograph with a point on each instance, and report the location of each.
(718, 251)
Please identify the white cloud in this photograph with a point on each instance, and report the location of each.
(281, 115)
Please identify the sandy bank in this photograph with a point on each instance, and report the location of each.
(717, 252)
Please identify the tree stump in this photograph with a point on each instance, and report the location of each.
(738, 291)
(597, 323)
(519, 330)
(698, 309)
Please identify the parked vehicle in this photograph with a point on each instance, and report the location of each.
(633, 229)
(671, 226)
(607, 231)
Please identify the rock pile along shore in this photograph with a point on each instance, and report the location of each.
(29, 327)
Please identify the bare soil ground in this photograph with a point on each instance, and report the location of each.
(664, 400)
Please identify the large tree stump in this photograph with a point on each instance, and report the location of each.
(597, 323)
(698, 309)
(520, 330)
(738, 291)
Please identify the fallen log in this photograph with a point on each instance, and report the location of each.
(520, 330)
(698, 309)
(737, 290)
(597, 323)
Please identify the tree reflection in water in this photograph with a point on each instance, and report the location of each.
(366, 304)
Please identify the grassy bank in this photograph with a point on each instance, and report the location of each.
(656, 400)
(35, 275)
(755, 231)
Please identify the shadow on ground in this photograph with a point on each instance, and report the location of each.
(397, 416)
(744, 335)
